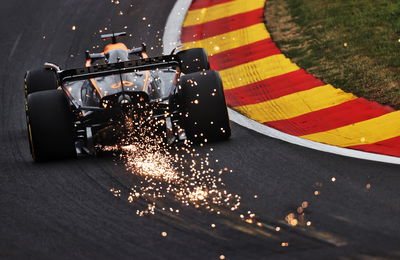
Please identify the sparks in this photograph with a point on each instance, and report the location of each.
(170, 170)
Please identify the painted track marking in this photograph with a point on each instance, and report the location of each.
(171, 40)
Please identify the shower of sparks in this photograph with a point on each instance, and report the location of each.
(170, 170)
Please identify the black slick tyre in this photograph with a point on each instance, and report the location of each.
(193, 60)
(50, 126)
(205, 116)
(40, 80)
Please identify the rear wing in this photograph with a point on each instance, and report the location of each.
(118, 68)
(96, 56)
(113, 36)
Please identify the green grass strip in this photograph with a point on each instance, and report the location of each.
(351, 44)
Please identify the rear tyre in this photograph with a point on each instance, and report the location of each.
(193, 60)
(50, 126)
(205, 116)
(40, 80)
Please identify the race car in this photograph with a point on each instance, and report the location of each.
(77, 111)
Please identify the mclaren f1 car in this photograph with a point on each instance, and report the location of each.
(76, 111)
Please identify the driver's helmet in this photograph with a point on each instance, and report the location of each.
(116, 55)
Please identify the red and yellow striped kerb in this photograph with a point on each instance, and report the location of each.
(261, 83)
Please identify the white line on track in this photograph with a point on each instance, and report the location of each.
(171, 40)
(14, 47)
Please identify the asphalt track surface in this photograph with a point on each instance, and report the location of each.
(64, 210)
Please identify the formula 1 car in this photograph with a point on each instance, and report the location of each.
(75, 111)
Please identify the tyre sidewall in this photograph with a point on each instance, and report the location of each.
(50, 126)
(40, 80)
(193, 60)
(205, 114)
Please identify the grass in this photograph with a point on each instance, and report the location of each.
(351, 44)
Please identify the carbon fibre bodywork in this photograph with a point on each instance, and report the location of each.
(113, 87)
